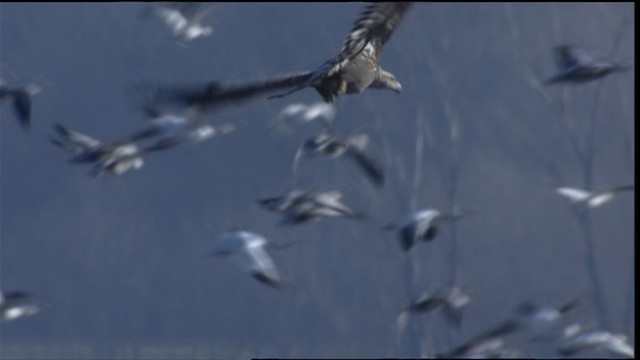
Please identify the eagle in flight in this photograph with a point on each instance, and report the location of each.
(353, 70)
(357, 66)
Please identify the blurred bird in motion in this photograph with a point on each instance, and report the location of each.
(545, 322)
(452, 300)
(17, 304)
(184, 19)
(592, 198)
(614, 345)
(301, 206)
(114, 158)
(301, 113)
(20, 97)
(331, 145)
(577, 66)
(487, 345)
(189, 127)
(357, 66)
(420, 225)
(283, 203)
(353, 70)
(248, 251)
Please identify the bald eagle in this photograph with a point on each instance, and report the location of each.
(353, 70)
(357, 66)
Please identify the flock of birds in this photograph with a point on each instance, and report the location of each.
(354, 69)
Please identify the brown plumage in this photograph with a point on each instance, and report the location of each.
(354, 69)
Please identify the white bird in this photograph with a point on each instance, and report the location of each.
(593, 198)
(185, 19)
(90, 150)
(545, 322)
(118, 164)
(318, 205)
(248, 250)
(175, 129)
(17, 304)
(302, 113)
(283, 203)
(613, 344)
(419, 225)
(113, 158)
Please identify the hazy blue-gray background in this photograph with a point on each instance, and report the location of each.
(121, 260)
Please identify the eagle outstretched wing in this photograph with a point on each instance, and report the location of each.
(217, 94)
(375, 25)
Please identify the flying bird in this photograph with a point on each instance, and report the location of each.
(283, 203)
(20, 96)
(326, 144)
(317, 205)
(357, 66)
(613, 344)
(577, 66)
(118, 164)
(452, 300)
(184, 19)
(419, 225)
(175, 129)
(248, 251)
(487, 345)
(545, 322)
(114, 158)
(302, 113)
(90, 150)
(353, 70)
(17, 304)
(593, 198)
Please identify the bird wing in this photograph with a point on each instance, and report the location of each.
(200, 13)
(327, 112)
(429, 217)
(172, 18)
(22, 107)
(494, 333)
(581, 341)
(408, 235)
(600, 197)
(376, 24)
(255, 260)
(77, 138)
(296, 161)
(216, 94)
(357, 145)
(283, 203)
(371, 169)
(231, 242)
(569, 56)
(401, 325)
(573, 194)
(623, 188)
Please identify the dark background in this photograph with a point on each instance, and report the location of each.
(121, 260)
